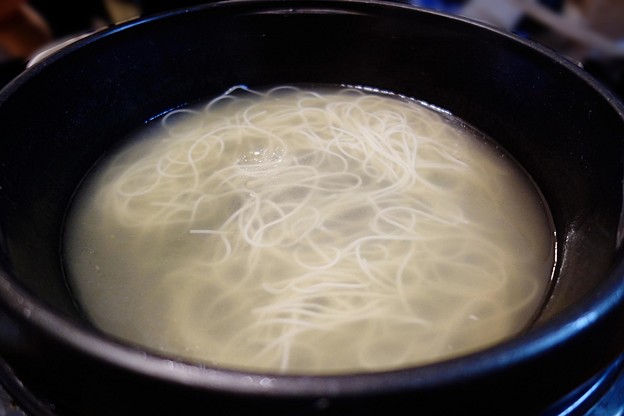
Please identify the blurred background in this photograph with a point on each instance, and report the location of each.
(588, 32)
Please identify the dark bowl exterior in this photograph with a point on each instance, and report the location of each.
(61, 115)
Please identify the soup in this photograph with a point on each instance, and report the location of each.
(309, 231)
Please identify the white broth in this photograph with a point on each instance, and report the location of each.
(309, 230)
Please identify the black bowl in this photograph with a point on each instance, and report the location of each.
(63, 113)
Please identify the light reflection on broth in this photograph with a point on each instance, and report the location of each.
(311, 231)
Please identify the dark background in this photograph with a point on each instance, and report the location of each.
(69, 18)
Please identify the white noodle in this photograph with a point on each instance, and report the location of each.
(311, 231)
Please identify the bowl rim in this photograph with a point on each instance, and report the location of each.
(571, 323)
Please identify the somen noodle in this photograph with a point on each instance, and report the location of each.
(310, 230)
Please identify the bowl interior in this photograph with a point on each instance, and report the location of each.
(64, 113)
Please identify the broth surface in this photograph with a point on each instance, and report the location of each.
(309, 230)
